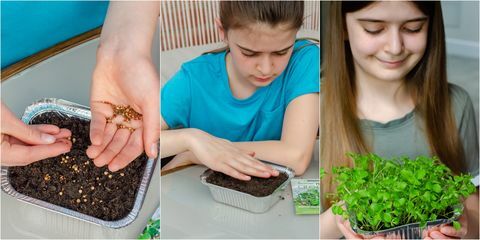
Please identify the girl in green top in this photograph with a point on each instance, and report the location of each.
(384, 90)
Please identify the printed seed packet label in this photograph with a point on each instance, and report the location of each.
(306, 196)
(152, 230)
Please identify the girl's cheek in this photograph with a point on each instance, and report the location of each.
(362, 43)
(366, 45)
(416, 44)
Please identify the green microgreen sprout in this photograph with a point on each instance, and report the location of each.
(378, 194)
(308, 198)
(152, 230)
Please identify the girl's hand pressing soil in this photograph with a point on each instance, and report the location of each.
(181, 159)
(24, 144)
(222, 156)
(125, 109)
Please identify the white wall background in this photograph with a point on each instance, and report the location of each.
(462, 27)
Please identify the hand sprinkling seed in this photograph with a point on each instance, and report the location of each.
(127, 112)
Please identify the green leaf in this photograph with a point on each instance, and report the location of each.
(387, 217)
(427, 196)
(437, 188)
(360, 216)
(400, 185)
(376, 219)
(145, 236)
(456, 225)
(153, 231)
(420, 174)
(337, 210)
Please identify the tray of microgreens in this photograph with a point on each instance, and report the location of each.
(398, 196)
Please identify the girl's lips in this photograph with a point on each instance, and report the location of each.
(263, 79)
(392, 64)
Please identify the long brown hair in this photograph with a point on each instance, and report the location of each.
(340, 129)
(240, 14)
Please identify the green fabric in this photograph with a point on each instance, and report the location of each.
(406, 137)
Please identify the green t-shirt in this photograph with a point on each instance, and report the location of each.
(406, 137)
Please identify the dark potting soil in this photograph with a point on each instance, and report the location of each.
(71, 180)
(258, 187)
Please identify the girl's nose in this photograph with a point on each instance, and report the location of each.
(394, 44)
(265, 66)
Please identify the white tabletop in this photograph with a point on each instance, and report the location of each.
(189, 211)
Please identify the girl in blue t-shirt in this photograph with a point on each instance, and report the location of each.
(258, 99)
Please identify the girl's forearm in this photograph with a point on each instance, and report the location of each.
(282, 153)
(173, 142)
(328, 226)
(129, 25)
(472, 209)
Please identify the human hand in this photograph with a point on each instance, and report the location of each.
(222, 156)
(123, 79)
(181, 159)
(23, 144)
(446, 231)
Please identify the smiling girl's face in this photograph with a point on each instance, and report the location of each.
(387, 39)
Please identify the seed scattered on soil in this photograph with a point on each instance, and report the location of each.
(112, 198)
(122, 174)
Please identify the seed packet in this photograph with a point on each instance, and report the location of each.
(152, 230)
(306, 197)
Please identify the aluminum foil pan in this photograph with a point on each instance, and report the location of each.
(244, 200)
(74, 110)
(407, 231)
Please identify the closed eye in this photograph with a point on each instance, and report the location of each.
(249, 54)
(281, 53)
(408, 30)
(373, 32)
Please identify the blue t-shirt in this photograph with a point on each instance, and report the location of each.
(199, 96)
